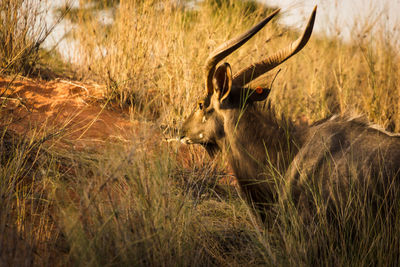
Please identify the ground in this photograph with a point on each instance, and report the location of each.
(62, 104)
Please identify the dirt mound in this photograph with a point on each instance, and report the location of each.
(78, 109)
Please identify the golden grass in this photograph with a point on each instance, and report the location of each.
(152, 57)
(18, 36)
(126, 207)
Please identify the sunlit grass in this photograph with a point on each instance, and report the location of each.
(152, 58)
(23, 30)
(127, 205)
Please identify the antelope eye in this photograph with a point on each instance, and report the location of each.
(200, 105)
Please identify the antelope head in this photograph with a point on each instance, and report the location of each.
(227, 92)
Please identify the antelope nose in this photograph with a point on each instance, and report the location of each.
(185, 140)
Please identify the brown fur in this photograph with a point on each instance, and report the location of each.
(275, 160)
(329, 156)
(340, 155)
(258, 146)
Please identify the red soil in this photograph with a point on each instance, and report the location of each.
(61, 104)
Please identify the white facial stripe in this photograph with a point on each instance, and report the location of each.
(204, 119)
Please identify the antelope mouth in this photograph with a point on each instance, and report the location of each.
(186, 140)
(211, 148)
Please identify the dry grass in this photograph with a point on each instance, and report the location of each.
(126, 207)
(152, 57)
(22, 33)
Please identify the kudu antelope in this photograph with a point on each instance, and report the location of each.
(260, 145)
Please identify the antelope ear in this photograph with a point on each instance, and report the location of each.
(222, 81)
